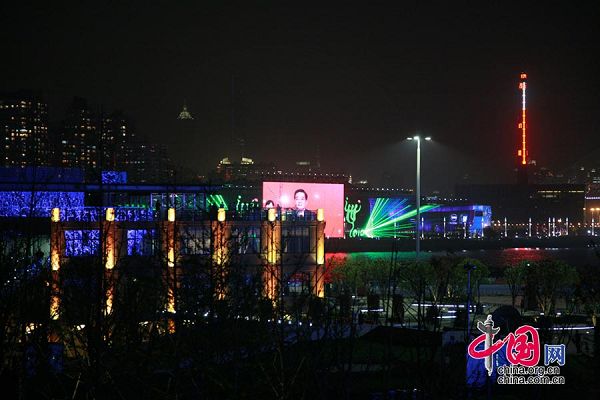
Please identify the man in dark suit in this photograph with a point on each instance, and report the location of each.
(300, 211)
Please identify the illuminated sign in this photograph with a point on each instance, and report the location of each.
(350, 212)
(241, 206)
(303, 199)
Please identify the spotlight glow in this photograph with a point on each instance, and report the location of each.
(391, 217)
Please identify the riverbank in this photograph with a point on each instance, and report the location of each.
(335, 245)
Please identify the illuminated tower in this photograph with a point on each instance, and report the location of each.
(185, 114)
(522, 153)
(187, 138)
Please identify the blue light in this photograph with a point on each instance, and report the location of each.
(37, 204)
(96, 214)
(82, 243)
(475, 217)
(139, 242)
(114, 177)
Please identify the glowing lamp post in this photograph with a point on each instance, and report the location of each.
(110, 214)
(55, 216)
(221, 215)
(320, 215)
(444, 227)
(469, 268)
(272, 215)
(418, 194)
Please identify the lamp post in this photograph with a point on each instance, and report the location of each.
(469, 267)
(418, 194)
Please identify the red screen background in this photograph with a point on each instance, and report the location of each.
(328, 196)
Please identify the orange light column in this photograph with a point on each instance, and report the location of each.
(221, 233)
(170, 275)
(270, 238)
(109, 233)
(57, 246)
(318, 276)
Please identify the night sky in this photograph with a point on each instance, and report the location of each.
(352, 82)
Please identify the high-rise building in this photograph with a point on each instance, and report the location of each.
(148, 163)
(118, 139)
(79, 138)
(187, 137)
(23, 130)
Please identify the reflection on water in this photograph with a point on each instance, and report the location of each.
(496, 258)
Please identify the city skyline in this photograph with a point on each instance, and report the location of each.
(349, 82)
(278, 200)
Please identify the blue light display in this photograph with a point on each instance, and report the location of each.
(96, 214)
(37, 204)
(40, 175)
(474, 217)
(82, 243)
(140, 242)
(114, 177)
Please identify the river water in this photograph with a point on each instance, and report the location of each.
(498, 259)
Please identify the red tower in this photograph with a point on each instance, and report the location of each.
(522, 152)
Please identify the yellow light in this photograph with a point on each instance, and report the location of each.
(109, 303)
(55, 260)
(110, 264)
(54, 307)
(171, 215)
(29, 328)
(110, 214)
(321, 252)
(171, 257)
(272, 214)
(110, 242)
(221, 215)
(55, 216)
(171, 301)
(320, 215)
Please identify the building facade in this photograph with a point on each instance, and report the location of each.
(24, 130)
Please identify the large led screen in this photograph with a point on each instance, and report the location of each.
(294, 196)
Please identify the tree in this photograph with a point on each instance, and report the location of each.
(414, 277)
(479, 274)
(548, 280)
(515, 278)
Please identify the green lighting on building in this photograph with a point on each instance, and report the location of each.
(350, 212)
(216, 200)
(391, 218)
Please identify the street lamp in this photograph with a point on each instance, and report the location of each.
(593, 210)
(418, 194)
(469, 267)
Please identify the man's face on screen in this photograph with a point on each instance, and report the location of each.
(300, 199)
